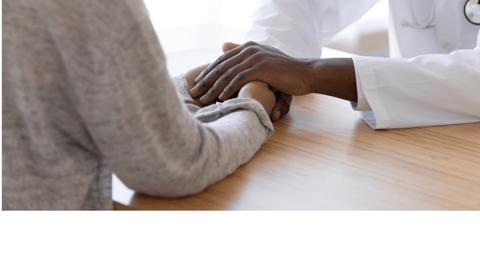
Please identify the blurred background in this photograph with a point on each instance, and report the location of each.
(188, 27)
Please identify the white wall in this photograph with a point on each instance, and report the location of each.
(368, 36)
(198, 24)
(186, 25)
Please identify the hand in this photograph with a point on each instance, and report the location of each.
(261, 93)
(283, 100)
(253, 62)
(190, 77)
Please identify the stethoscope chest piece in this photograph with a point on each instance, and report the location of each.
(472, 11)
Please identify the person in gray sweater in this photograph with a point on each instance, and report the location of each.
(86, 92)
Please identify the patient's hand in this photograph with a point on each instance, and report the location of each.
(261, 93)
(255, 90)
(190, 77)
(283, 100)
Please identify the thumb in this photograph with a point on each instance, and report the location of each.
(227, 46)
(275, 114)
(281, 107)
(277, 110)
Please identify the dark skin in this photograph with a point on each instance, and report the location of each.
(254, 90)
(282, 105)
(290, 76)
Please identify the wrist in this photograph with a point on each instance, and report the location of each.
(267, 101)
(259, 91)
(315, 76)
(334, 77)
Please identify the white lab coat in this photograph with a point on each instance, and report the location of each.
(434, 78)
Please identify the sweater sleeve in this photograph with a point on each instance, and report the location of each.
(181, 85)
(138, 121)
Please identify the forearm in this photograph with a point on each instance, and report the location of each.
(334, 77)
(137, 120)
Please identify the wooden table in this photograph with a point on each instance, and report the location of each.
(324, 156)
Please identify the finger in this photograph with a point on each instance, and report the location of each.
(277, 110)
(209, 80)
(222, 82)
(275, 113)
(246, 59)
(191, 74)
(227, 46)
(242, 78)
(224, 57)
(282, 107)
(199, 68)
(198, 103)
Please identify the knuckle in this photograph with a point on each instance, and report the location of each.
(218, 69)
(241, 76)
(226, 75)
(201, 85)
(251, 50)
(205, 73)
(215, 89)
(209, 93)
(256, 69)
(257, 57)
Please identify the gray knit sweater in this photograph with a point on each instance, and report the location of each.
(86, 92)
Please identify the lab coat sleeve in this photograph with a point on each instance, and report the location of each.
(299, 28)
(428, 90)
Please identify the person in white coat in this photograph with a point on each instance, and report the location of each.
(433, 77)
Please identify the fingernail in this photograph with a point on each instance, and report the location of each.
(193, 90)
(197, 79)
(203, 99)
(222, 97)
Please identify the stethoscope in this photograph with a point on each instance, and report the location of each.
(471, 12)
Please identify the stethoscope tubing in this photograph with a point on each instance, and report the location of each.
(467, 11)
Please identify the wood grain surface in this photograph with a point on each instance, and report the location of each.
(324, 156)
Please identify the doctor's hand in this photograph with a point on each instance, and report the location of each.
(283, 100)
(190, 77)
(253, 62)
(295, 76)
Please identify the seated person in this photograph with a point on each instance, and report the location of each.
(86, 92)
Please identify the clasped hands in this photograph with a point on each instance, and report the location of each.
(241, 66)
(251, 71)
